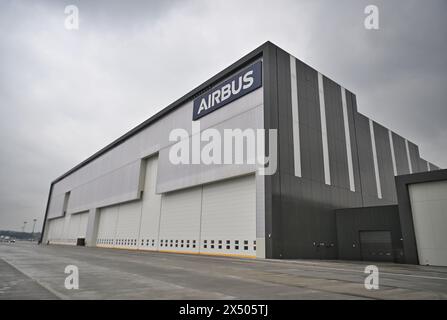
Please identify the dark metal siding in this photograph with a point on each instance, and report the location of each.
(351, 102)
(309, 120)
(300, 211)
(273, 232)
(422, 165)
(351, 221)
(366, 161)
(414, 156)
(336, 135)
(400, 154)
(385, 164)
(307, 203)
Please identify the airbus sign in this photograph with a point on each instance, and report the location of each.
(245, 81)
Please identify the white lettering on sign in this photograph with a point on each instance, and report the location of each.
(224, 93)
(233, 88)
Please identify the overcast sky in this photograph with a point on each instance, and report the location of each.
(66, 94)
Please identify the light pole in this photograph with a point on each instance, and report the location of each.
(24, 225)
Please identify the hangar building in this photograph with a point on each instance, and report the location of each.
(324, 154)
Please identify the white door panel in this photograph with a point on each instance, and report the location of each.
(128, 225)
(73, 227)
(429, 203)
(151, 206)
(134, 224)
(229, 217)
(107, 226)
(56, 230)
(83, 221)
(180, 220)
(53, 230)
(217, 218)
(66, 230)
(66, 237)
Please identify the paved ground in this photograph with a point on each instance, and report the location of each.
(29, 271)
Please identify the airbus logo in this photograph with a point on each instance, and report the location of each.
(242, 83)
(219, 96)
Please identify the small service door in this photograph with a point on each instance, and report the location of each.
(376, 245)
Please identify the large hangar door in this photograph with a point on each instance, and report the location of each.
(51, 230)
(180, 220)
(107, 227)
(128, 225)
(77, 227)
(428, 206)
(73, 228)
(83, 221)
(229, 217)
(150, 214)
(59, 230)
(56, 229)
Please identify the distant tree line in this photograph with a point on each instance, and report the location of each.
(20, 235)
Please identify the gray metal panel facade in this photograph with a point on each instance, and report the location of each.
(400, 155)
(305, 205)
(366, 162)
(336, 135)
(244, 113)
(385, 164)
(353, 220)
(300, 212)
(114, 177)
(414, 157)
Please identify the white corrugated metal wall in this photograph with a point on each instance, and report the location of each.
(114, 179)
(55, 230)
(217, 218)
(150, 215)
(133, 225)
(128, 225)
(67, 229)
(229, 217)
(83, 221)
(107, 226)
(180, 220)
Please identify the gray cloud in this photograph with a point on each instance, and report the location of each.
(65, 94)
